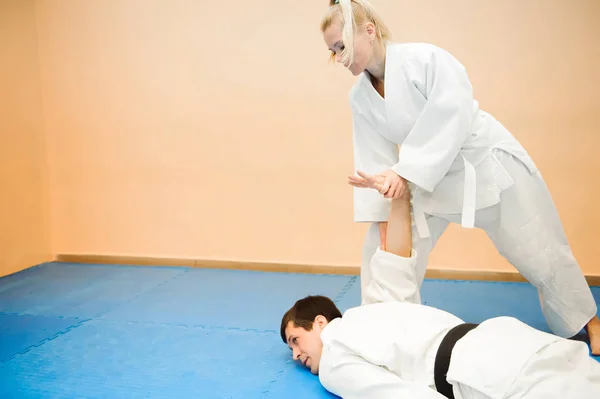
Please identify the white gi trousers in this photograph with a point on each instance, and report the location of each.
(526, 230)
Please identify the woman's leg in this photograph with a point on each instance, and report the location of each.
(526, 229)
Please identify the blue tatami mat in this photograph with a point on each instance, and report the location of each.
(227, 298)
(18, 333)
(99, 331)
(79, 291)
(138, 360)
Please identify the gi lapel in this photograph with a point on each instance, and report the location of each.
(397, 94)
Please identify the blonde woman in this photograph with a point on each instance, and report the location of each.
(416, 122)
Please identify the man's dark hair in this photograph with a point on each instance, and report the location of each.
(305, 310)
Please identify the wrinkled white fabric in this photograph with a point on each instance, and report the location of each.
(464, 167)
(505, 359)
(386, 348)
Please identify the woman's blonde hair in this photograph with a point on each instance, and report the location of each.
(352, 14)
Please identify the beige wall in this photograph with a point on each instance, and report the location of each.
(24, 204)
(182, 129)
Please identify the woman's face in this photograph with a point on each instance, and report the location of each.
(363, 49)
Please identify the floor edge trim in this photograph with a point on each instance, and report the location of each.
(432, 272)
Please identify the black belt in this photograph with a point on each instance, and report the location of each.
(442, 357)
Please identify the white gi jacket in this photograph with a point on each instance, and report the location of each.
(386, 348)
(446, 140)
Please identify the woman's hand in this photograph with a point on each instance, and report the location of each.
(388, 183)
(394, 186)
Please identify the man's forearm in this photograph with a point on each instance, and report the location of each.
(399, 228)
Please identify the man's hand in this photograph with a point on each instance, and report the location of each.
(388, 183)
(364, 180)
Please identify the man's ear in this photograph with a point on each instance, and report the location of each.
(320, 321)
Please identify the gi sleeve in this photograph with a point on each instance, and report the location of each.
(351, 377)
(372, 154)
(393, 279)
(444, 124)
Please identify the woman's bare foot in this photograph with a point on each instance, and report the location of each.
(593, 331)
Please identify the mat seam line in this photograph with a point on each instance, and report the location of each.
(199, 326)
(36, 311)
(150, 323)
(133, 298)
(278, 375)
(345, 289)
(46, 340)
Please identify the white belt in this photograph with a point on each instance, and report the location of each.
(469, 203)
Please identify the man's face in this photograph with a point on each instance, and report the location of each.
(306, 345)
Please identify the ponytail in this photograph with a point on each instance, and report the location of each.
(347, 31)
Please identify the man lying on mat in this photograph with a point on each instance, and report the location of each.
(393, 347)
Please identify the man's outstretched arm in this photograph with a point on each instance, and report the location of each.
(399, 227)
(393, 276)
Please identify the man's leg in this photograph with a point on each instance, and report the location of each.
(526, 229)
(504, 358)
(562, 369)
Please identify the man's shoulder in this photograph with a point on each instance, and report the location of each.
(366, 313)
(336, 352)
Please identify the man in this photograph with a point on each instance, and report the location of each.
(393, 347)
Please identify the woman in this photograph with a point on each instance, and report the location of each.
(463, 165)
